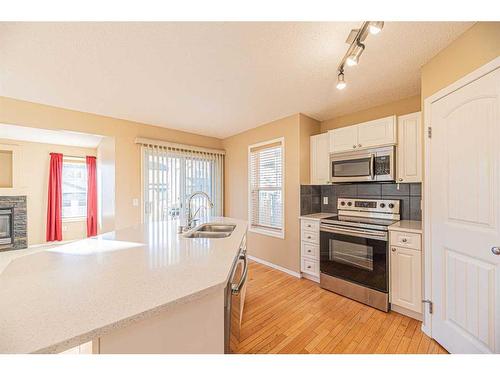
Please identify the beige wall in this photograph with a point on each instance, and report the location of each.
(106, 188)
(5, 168)
(128, 160)
(399, 107)
(31, 170)
(474, 48)
(283, 252)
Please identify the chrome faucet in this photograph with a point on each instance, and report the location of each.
(191, 217)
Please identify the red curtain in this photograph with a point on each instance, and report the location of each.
(91, 196)
(54, 204)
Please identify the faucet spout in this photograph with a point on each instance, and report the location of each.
(191, 216)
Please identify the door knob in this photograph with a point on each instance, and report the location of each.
(495, 250)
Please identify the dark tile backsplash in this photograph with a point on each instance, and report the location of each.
(311, 197)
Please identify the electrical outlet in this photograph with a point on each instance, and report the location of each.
(135, 202)
(325, 200)
(64, 228)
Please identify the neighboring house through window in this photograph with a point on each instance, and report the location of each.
(74, 188)
(266, 188)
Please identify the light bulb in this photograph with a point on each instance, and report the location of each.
(352, 60)
(375, 27)
(340, 82)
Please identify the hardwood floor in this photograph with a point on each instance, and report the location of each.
(284, 314)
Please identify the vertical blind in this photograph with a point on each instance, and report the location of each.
(172, 172)
(266, 186)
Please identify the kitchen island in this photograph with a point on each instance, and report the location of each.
(144, 289)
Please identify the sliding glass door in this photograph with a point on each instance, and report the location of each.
(172, 174)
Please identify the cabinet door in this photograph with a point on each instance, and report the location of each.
(409, 160)
(381, 132)
(320, 147)
(344, 139)
(406, 278)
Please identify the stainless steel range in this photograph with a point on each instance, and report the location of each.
(354, 258)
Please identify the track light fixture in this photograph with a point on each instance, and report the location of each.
(375, 27)
(353, 58)
(340, 81)
(356, 47)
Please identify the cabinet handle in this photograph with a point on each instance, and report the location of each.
(308, 266)
(359, 145)
(308, 237)
(393, 249)
(308, 251)
(354, 146)
(404, 240)
(400, 179)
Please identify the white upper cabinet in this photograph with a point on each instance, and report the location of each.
(409, 154)
(320, 148)
(376, 133)
(381, 132)
(344, 139)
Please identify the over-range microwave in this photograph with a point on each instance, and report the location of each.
(376, 164)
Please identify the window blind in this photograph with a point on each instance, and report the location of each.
(266, 187)
(171, 173)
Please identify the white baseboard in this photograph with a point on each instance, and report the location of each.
(404, 311)
(275, 266)
(310, 277)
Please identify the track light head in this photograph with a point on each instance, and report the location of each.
(340, 81)
(353, 58)
(375, 27)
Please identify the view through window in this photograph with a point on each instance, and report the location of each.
(74, 189)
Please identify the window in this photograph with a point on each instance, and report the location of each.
(74, 188)
(266, 193)
(171, 174)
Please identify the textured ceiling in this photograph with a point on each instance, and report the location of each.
(215, 78)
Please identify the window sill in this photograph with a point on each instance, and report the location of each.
(269, 233)
(73, 219)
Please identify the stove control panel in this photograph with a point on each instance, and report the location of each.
(391, 206)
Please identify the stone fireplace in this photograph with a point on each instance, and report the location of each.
(13, 223)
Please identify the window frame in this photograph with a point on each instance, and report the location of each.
(74, 160)
(261, 230)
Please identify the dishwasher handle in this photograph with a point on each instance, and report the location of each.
(237, 287)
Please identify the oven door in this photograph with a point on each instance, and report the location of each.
(356, 255)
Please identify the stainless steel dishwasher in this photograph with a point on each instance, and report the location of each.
(235, 297)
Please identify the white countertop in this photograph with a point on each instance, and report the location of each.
(55, 299)
(412, 226)
(318, 216)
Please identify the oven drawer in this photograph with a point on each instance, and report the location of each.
(310, 225)
(310, 266)
(404, 239)
(310, 250)
(308, 236)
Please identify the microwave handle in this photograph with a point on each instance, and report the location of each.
(372, 166)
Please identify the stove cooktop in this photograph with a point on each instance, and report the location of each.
(359, 221)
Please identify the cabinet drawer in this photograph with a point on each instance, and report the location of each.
(312, 237)
(310, 225)
(310, 266)
(310, 250)
(407, 240)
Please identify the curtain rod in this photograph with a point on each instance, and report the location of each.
(179, 146)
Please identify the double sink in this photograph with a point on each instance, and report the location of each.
(211, 230)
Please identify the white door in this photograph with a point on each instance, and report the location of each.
(344, 139)
(464, 214)
(409, 158)
(320, 146)
(381, 132)
(406, 278)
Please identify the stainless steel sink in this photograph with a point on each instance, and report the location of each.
(197, 234)
(211, 230)
(226, 228)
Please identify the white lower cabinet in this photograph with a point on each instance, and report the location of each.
(406, 277)
(309, 249)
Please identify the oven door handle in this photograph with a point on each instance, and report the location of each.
(372, 166)
(356, 233)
